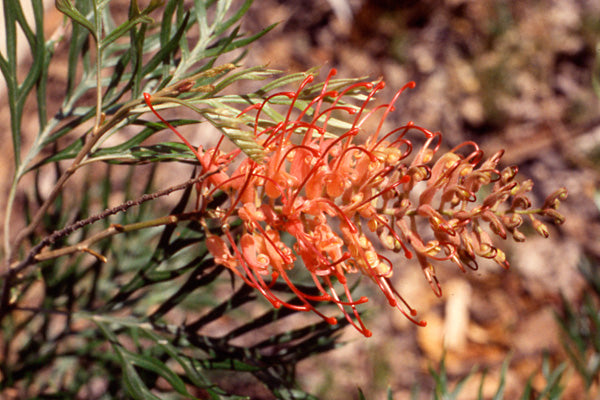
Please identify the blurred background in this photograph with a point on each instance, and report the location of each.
(516, 75)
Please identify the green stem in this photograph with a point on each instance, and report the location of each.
(528, 212)
(98, 71)
(9, 206)
(111, 231)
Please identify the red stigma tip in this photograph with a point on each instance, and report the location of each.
(307, 80)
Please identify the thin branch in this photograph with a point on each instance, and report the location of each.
(110, 231)
(114, 229)
(32, 257)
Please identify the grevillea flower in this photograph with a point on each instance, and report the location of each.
(334, 205)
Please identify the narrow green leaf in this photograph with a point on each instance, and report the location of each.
(232, 364)
(593, 315)
(124, 29)
(4, 67)
(222, 27)
(45, 64)
(285, 80)
(168, 151)
(201, 19)
(67, 8)
(191, 371)
(461, 383)
(134, 384)
(527, 392)
(136, 54)
(20, 17)
(254, 74)
(10, 30)
(361, 395)
(481, 382)
(153, 364)
(500, 391)
(166, 22)
(67, 153)
(596, 72)
(235, 44)
(9, 70)
(170, 47)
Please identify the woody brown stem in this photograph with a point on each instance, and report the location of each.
(32, 257)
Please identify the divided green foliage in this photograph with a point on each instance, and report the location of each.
(18, 92)
(141, 54)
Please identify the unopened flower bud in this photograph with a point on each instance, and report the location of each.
(523, 187)
(539, 227)
(500, 259)
(387, 240)
(427, 155)
(393, 155)
(495, 159)
(468, 247)
(518, 236)
(184, 86)
(495, 223)
(373, 224)
(552, 213)
(486, 250)
(553, 201)
(512, 220)
(420, 173)
(429, 272)
(521, 202)
(402, 208)
(508, 173)
(468, 259)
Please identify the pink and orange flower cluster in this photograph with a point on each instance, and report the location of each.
(334, 205)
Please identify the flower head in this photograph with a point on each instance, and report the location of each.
(342, 200)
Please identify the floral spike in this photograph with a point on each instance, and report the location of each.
(337, 197)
